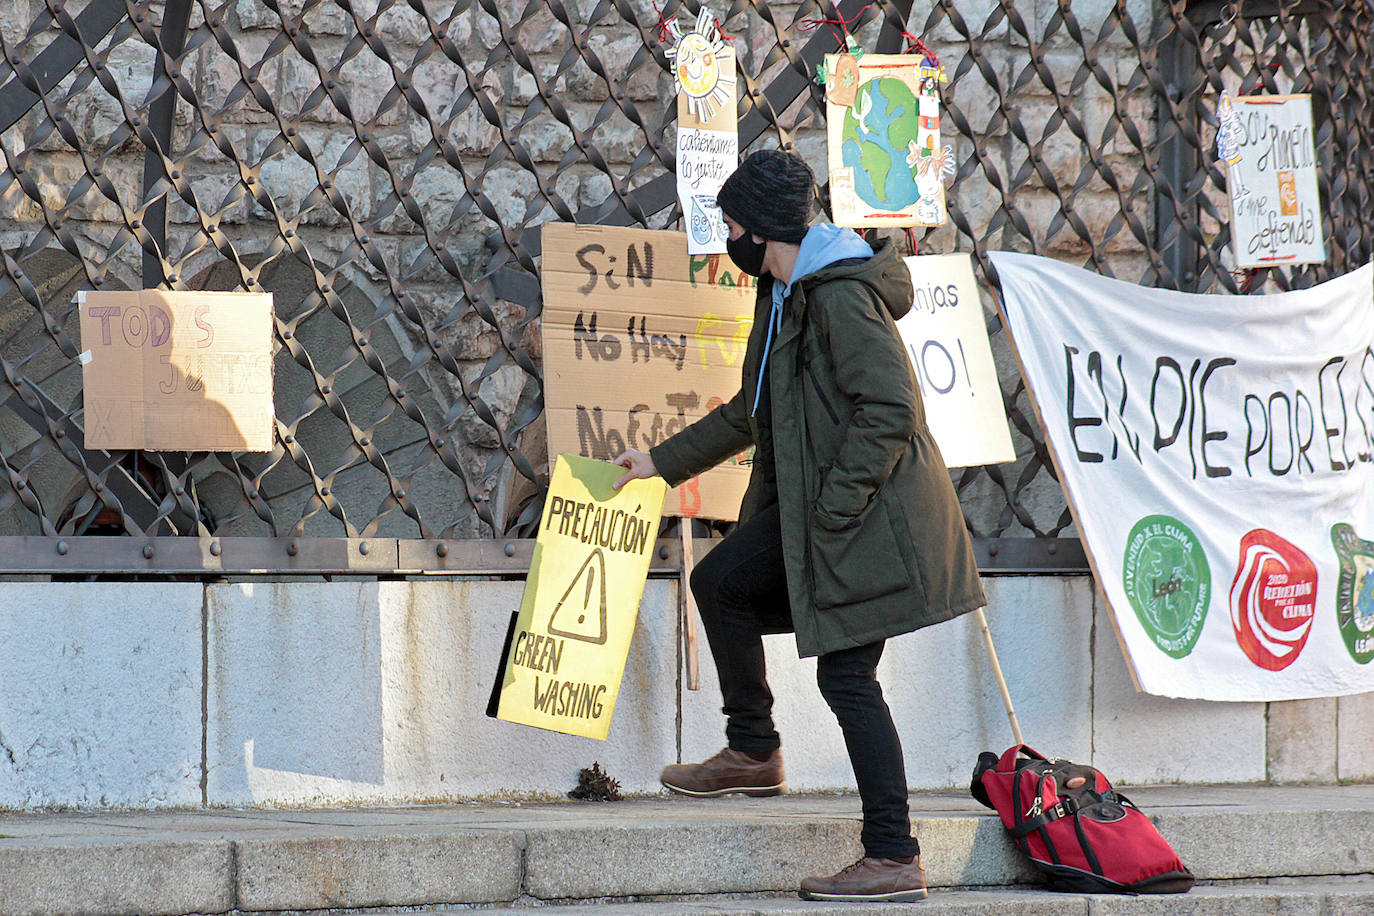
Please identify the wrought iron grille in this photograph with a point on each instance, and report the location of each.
(383, 167)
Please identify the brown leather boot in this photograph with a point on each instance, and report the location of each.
(870, 881)
(728, 771)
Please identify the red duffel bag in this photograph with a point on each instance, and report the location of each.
(1077, 830)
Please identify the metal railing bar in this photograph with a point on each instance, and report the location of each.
(176, 18)
(58, 59)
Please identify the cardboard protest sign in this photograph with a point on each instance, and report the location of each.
(1266, 142)
(947, 341)
(1218, 455)
(707, 138)
(177, 371)
(641, 339)
(567, 651)
(887, 165)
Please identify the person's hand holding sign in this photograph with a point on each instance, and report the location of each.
(639, 465)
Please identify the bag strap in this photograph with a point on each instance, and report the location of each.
(1008, 762)
(1067, 806)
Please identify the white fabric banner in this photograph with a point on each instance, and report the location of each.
(1218, 452)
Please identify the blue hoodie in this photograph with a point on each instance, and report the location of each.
(823, 245)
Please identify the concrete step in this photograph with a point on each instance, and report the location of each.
(1293, 897)
(217, 860)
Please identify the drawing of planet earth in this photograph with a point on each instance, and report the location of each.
(876, 134)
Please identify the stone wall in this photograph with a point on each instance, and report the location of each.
(146, 695)
(376, 183)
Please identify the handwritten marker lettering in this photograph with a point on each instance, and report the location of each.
(1167, 409)
(601, 267)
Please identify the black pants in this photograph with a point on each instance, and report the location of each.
(741, 591)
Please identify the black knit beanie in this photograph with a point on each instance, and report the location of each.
(770, 195)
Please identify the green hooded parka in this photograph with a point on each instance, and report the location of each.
(873, 537)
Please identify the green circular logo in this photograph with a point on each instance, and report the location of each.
(1355, 592)
(1168, 582)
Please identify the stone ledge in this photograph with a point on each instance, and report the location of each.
(217, 861)
(115, 875)
(1315, 897)
(378, 869)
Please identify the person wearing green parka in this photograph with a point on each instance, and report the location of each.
(850, 531)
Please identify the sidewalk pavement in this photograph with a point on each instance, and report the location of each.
(524, 854)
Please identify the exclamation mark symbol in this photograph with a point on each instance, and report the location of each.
(571, 621)
(587, 599)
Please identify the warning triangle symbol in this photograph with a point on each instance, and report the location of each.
(581, 612)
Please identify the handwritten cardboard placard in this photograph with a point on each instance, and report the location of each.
(947, 341)
(177, 371)
(1267, 143)
(640, 339)
(567, 650)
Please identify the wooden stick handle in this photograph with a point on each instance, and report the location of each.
(688, 606)
(1001, 681)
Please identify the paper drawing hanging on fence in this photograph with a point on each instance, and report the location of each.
(1267, 144)
(887, 165)
(839, 74)
(707, 138)
(841, 79)
(1230, 133)
(703, 66)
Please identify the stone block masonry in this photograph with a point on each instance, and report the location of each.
(144, 696)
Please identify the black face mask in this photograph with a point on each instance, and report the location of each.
(747, 253)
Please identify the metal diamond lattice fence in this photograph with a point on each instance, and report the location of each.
(383, 167)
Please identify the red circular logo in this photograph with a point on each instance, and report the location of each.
(1273, 599)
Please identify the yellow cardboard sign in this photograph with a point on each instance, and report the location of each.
(570, 640)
